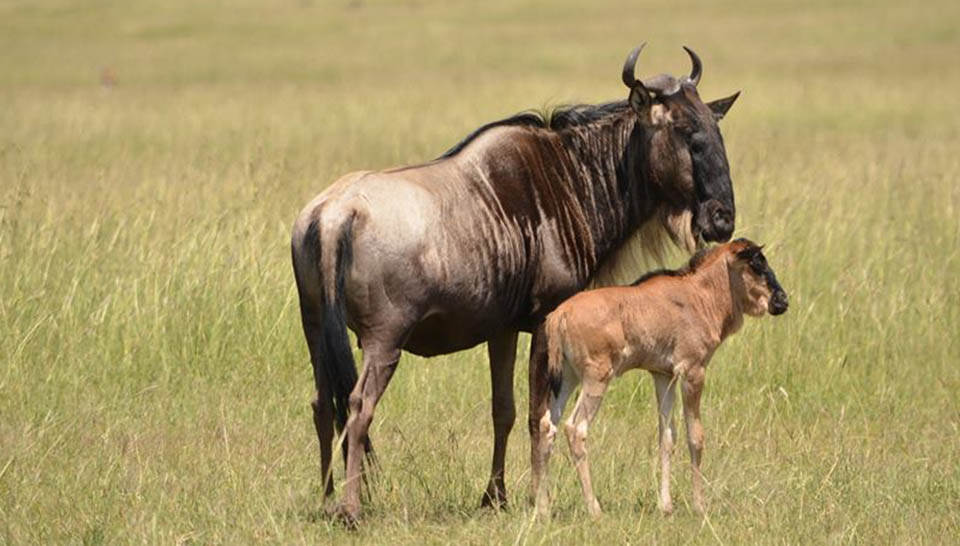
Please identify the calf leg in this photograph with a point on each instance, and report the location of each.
(379, 363)
(664, 385)
(542, 450)
(502, 351)
(591, 394)
(691, 388)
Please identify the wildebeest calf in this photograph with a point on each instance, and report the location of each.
(668, 323)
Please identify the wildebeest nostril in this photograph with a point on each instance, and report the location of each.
(724, 228)
(721, 216)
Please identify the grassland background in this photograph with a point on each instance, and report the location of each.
(153, 378)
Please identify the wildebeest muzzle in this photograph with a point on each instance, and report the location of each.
(714, 221)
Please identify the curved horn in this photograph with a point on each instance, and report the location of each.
(697, 69)
(629, 67)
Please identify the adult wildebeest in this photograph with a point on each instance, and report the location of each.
(668, 323)
(486, 240)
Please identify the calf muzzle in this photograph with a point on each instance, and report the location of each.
(778, 303)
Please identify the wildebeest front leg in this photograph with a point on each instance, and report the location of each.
(664, 385)
(502, 351)
(692, 387)
(591, 394)
(379, 363)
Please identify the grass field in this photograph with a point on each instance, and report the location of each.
(154, 383)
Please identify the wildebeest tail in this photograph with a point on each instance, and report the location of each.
(335, 352)
(320, 268)
(555, 328)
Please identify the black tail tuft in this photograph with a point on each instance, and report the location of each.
(553, 331)
(555, 380)
(336, 356)
(324, 314)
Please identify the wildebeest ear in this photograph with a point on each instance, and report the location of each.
(640, 100)
(720, 107)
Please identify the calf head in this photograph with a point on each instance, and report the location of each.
(759, 290)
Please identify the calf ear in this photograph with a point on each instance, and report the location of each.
(748, 253)
(720, 107)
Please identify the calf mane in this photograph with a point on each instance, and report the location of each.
(695, 261)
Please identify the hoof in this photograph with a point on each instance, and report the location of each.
(494, 498)
(349, 516)
(543, 513)
(542, 506)
(594, 510)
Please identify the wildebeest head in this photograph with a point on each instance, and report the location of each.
(687, 159)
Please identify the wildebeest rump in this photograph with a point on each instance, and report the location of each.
(484, 241)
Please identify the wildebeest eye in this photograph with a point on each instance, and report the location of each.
(685, 130)
(698, 142)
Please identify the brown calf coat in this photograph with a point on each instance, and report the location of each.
(670, 325)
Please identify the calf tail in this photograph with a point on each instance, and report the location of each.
(555, 329)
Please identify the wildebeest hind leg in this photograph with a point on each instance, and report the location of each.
(539, 402)
(379, 363)
(322, 404)
(323, 422)
(502, 351)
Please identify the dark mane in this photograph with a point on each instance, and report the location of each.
(523, 119)
(559, 118)
(691, 266)
(576, 115)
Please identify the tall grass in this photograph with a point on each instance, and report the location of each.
(154, 383)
